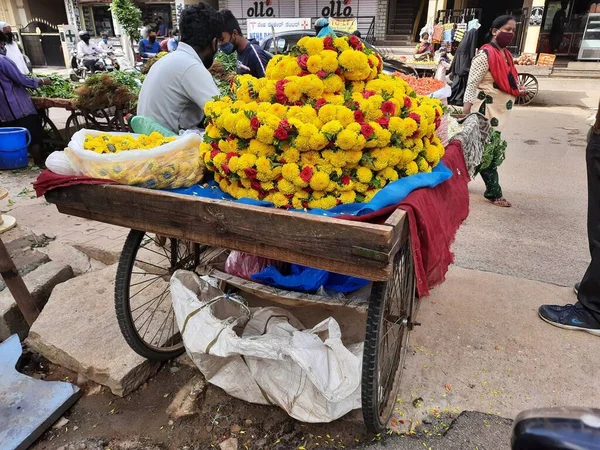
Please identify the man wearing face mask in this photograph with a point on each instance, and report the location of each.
(88, 51)
(492, 89)
(173, 42)
(179, 104)
(251, 58)
(148, 48)
(105, 44)
(12, 49)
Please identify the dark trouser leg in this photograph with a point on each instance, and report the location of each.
(493, 191)
(89, 64)
(589, 291)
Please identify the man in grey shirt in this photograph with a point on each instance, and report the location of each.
(179, 84)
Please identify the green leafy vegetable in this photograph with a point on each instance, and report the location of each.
(60, 87)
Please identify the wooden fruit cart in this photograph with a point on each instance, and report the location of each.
(171, 231)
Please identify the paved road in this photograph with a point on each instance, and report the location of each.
(481, 336)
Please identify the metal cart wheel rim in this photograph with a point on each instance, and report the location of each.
(383, 364)
(136, 321)
(531, 83)
(75, 122)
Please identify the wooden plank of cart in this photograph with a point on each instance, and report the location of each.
(172, 231)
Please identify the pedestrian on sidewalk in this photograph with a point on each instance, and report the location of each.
(13, 52)
(492, 89)
(585, 314)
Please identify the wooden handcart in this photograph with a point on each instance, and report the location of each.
(107, 119)
(171, 231)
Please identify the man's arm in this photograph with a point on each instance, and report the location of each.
(141, 49)
(15, 75)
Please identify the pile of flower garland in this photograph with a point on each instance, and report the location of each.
(117, 143)
(324, 127)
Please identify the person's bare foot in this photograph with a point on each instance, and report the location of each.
(501, 202)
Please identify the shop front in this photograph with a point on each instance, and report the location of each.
(570, 29)
(352, 14)
(461, 12)
(96, 17)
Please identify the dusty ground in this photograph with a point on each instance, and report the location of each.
(141, 417)
(481, 346)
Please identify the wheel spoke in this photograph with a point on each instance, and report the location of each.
(145, 281)
(153, 299)
(152, 265)
(162, 299)
(144, 288)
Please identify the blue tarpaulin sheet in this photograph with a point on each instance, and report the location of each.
(307, 279)
(390, 195)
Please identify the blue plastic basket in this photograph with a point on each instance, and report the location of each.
(13, 147)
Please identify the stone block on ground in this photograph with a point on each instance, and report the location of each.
(24, 255)
(105, 250)
(78, 330)
(58, 251)
(40, 283)
(188, 400)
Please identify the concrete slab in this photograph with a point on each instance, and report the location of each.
(26, 259)
(78, 330)
(40, 283)
(61, 252)
(543, 236)
(100, 250)
(482, 347)
(28, 406)
(470, 430)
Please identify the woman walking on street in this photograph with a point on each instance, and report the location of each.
(492, 89)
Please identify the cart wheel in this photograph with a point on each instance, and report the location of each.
(142, 297)
(75, 122)
(531, 83)
(390, 319)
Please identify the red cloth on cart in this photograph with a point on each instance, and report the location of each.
(434, 216)
(48, 180)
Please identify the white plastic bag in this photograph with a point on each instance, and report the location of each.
(59, 163)
(271, 359)
(443, 93)
(173, 165)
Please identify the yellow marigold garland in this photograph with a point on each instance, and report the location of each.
(324, 127)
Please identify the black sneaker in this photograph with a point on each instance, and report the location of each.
(576, 288)
(570, 317)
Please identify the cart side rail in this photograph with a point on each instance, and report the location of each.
(347, 247)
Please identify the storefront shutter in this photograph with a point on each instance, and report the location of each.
(287, 8)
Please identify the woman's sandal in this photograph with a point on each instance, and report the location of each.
(501, 202)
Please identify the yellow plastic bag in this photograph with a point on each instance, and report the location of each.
(174, 165)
